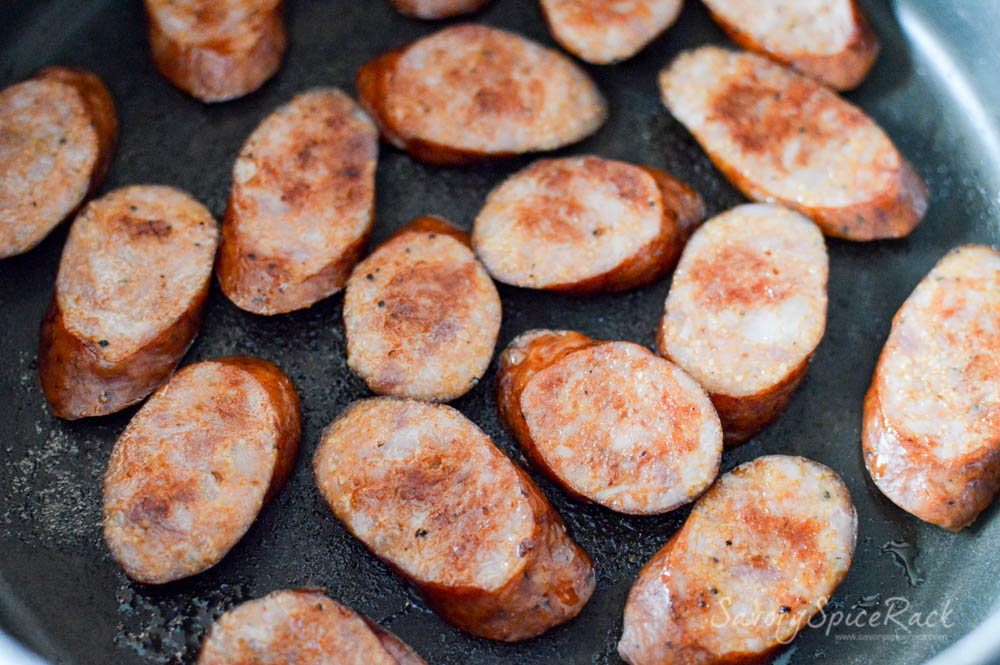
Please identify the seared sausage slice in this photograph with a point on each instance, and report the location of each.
(931, 433)
(469, 92)
(128, 300)
(57, 133)
(425, 490)
(300, 628)
(584, 225)
(609, 421)
(762, 552)
(606, 31)
(746, 310)
(301, 208)
(195, 465)
(217, 50)
(782, 137)
(421, 314)
(434, 9)
(830, 40)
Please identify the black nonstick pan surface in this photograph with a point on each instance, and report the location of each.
(934, 89)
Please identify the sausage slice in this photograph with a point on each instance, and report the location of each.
(195, 465)
(425, 490)
(216, 50)
(785, 138)
(607, 31)
(469, 92)
(300, 628)
(830, 40)
(761, 553)
(57, 133)
(746, 310)
(301, 208)
(435, 9)
(584, 225)
(609, 421)
(930, 436)
(128, 301)
(421, 314)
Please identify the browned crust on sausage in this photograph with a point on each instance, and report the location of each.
(78, 383)
(683, 211)
(101, 108)
(841, 71)
(517, 366)
(372, 86)
(953, 492)
(437, 10)
(433, 224)
(555, 584)
(216, 72)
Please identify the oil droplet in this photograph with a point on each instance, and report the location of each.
(867, 602)
(905, 556)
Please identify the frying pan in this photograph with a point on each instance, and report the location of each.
(934, 89)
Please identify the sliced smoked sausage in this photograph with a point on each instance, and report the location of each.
(469, 92)
(57, 133)
(830, 40)
(609, 421)
(428, 492)
(217, 50)
(782, 137)
(195, 465)
(128, 301)
(435, 9)
(302, 203)
(931, 433)
(301, 627)
(762, 552)
(421, 315)
(607, 31)
(584, 225)
(746, 310)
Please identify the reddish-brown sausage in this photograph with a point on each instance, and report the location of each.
(607, 31)
(436, 9)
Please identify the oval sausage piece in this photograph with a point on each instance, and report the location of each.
(585, 225)
(782, 137)
(428, 493)
(301, 208)
(57, 133)
(609, 421)
(607, 31)
(435, 9)
(302, 627)
(128, 301)
(760, 554)
(216, 50)
(931, 433)
(469, 92)
(830, 40)
(746, 310)
(195, 465)
(421, 315)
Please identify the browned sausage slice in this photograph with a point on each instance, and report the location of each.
(434, 9)
(299, 628)
(609, 421)
(195, 465)
(421, 315)
(128, 301)
(931, 433)
(217, 50)
(584, 225)
(782, 137)
(746, 310)
(469, 92)
(606, 31)
(425, 490)
(57, 133)
(761, 553)
(301, 208)
(830, 40)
